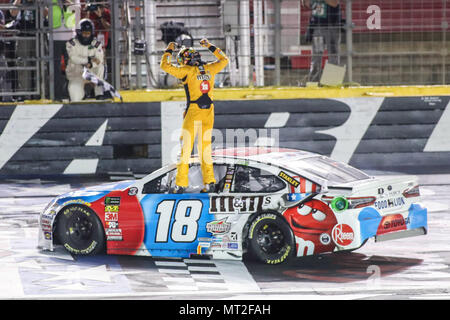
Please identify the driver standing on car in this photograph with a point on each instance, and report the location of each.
(198, 118)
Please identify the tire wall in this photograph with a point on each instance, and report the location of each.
(400, 134)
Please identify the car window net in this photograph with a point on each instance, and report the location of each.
(248, 179)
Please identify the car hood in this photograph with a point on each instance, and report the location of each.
(93, 193)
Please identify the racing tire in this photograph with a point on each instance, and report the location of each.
(80, 231)
(270, 239)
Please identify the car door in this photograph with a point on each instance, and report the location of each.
(252, 189)
(175, 224)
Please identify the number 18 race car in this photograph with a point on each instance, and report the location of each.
(272, 203)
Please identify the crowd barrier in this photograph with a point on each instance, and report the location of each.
(372, 131)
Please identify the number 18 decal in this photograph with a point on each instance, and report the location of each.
(185, 220)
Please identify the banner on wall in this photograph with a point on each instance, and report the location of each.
(398, 134)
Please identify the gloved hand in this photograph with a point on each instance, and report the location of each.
(205, 43)
(89, 64)
(171, 46)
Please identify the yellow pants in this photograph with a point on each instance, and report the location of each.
(198, 123)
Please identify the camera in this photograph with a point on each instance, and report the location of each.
(92, 7)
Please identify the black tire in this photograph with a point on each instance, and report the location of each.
(80, 231)
(270, 239)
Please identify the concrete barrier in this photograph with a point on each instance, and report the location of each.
(400, 134)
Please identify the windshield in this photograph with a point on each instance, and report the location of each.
(335, 172)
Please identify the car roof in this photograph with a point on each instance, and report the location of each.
(261, 153)
(272, 156)
(268, 155)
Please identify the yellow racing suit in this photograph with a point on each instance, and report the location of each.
(198, 119)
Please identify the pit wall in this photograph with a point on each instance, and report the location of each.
(397, 129)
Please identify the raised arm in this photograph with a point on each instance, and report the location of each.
(167, 66)
(222, 59)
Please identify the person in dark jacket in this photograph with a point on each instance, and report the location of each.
(325, 26)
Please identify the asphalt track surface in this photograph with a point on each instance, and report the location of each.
(415, 268)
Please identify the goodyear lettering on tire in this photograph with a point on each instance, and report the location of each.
(84, 251)
(261, 217)
(282, 258)
(69, 211)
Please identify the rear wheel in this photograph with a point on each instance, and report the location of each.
(80, 231)
(270, 239)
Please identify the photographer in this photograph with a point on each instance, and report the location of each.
(100, 15)
(325, 29)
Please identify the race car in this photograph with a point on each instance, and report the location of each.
(271, 203)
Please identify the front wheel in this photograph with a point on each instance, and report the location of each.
(270, 239)
(80, 231)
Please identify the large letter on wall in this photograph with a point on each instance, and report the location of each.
(348, 135)
(25, 121)
(439, 139)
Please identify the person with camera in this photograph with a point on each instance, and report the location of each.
(98, 12)
(84, 51)
(100, 15)
(325, 33)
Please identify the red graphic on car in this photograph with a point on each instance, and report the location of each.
(343, 235)
(124, 224)
(312, 223)
(392, 223)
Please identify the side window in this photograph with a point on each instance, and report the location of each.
(161, 184)
(196, 177)
(250, 179)
(220, 171)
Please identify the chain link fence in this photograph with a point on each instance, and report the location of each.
(401, 42)
(377, 42)
(269, 42)
(19, 51)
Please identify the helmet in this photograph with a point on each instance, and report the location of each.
(188, 56)
(85, 25)
(185, 40)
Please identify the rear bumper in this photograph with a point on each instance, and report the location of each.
(401, 234)
(394, 226)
